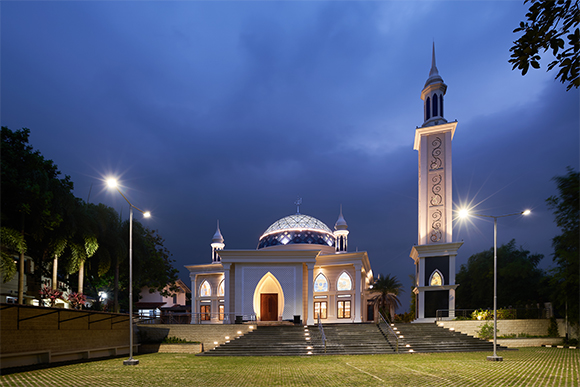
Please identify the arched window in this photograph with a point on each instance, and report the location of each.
(436, 279)
(221, 289)
(441, 104)
(320, 283)
(435, 105)
(427, 109)
(205, 289)
(344, 282)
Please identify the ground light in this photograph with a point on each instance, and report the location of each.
(464, 213)
(112, 183)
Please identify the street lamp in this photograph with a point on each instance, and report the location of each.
(464, 213)
(113, 184)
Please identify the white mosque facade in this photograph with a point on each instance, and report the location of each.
(302, 270)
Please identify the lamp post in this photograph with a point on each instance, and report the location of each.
(113, 184)
(465, 213)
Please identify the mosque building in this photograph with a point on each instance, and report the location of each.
(302, 270)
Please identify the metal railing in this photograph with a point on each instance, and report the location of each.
(221, 318)
(197, 318)
(388, 331)
(322, 335)
(502, 314)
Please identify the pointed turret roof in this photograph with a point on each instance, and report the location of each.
(340, 223)
(434, 76)
(217, 237)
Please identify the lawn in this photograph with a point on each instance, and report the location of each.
(526, 367)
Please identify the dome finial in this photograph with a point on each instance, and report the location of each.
(434, 70)
(298, 202)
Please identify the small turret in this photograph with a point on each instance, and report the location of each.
(217, 244)
(341, 233)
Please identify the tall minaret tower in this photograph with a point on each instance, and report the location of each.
(217, 243)
(435, 252)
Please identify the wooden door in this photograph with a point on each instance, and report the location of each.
(269, 306)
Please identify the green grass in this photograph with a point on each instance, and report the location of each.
(526, 367)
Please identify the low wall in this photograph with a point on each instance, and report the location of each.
(208, 335)
(537, 327)
(531, 342)
(32, 335)
(170, 348)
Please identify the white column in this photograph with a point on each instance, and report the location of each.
(310, 313)
(193, 297)
(421, 297)
(357, 295)
(229, 318)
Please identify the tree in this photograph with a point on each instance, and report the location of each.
(30, 191)
(551, 25)
(520, 281)
(388, 288)
(566, 245)
(12, 243)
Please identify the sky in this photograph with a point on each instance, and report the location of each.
(231, 110)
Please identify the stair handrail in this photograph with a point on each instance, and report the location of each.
(322, 335)
(389, 330)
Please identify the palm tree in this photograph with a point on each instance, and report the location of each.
(388, 289)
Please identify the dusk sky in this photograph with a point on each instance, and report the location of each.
(232, 110)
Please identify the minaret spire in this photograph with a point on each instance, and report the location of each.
(434, 70)
(432, 95)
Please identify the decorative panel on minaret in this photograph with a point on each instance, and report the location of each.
(436, 189)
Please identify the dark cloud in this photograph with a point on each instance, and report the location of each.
(231, 110)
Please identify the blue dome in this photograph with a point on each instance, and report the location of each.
(297, 229)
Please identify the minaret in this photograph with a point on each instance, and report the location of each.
(435, 252)
(217, 244)
(341, 233)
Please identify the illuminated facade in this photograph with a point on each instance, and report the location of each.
(301, 269)
(434, 255)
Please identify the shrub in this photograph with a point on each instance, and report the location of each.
(485, 331)
(177, 340)
(481, 314)
(506, 314)
(51, 294)
(553, 328)
(77, 300)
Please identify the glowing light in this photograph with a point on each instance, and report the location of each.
(463, 213)
(112, 183)
(146, 214)
(526, 212)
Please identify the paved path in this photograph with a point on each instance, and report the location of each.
(525, 367)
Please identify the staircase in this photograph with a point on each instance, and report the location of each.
(280, 340)
(428, 337)
(354, 339)
(347, 339)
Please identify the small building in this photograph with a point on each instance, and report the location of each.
(300, 270)
(154, 307)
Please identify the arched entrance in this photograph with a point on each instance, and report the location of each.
(268, 299)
